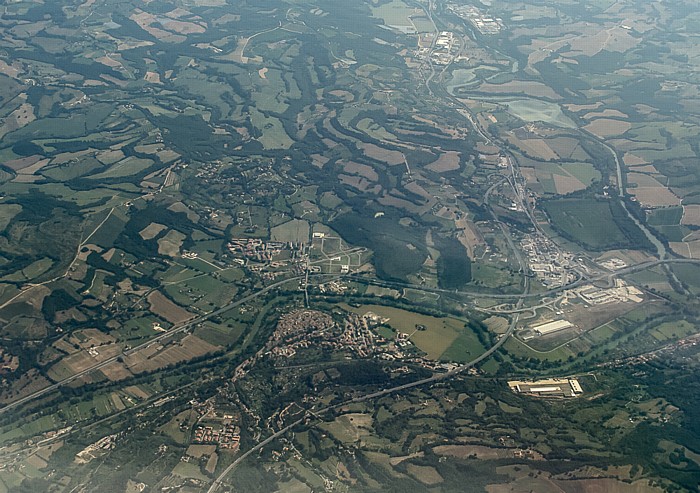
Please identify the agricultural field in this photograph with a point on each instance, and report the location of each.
(200, 200)
(447, 339)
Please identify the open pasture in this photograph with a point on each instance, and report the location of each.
(294, 231)
(387, 156)
(535, 110)
(691, 215)
(448, 161)
(166, 309)
(438, 337)
(607, 127)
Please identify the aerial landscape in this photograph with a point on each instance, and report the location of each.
(328, 246)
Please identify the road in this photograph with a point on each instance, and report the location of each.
(481, 294)
(424, 381)
(175, 330)
(315, 414)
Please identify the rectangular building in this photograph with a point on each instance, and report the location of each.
(550, 327)
(553, 387)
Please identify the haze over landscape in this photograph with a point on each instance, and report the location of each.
(370, 246)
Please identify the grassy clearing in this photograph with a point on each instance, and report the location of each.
(533, 110)
(587, 221)
(127, 167)
(294, 231)
(273, 134)
(394, 13)
(443, 338)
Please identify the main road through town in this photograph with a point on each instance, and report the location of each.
(372, 395)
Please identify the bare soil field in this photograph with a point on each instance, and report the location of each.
(392, 201)
(537, 148)
(647, 168)
(691, 215)
(655, 196)
(361, 169)
(643, 180)
(92, 337)
(390, 157)
(607, 113)
(633, 160)
(9, 70)
(687, 249)
(164, 308)
(152, 230)
(605, 127)
(419, 190)
(360, 183)
(425, 474)
(152, 77)
(487, 149)
(448, 161)
(567, 184)
(116, 371)
(318, 160)
(170, 244)
(136, 391)
(189, 347)
(20, 164)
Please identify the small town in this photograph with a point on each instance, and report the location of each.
(551, 265)
(226, 436)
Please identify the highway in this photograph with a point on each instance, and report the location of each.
(311, 414)
(480, 294)
(175, 330)
(424, 381)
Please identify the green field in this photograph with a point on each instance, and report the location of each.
(444, 338)
(586, 221)
(533, 110)
(665, 217)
